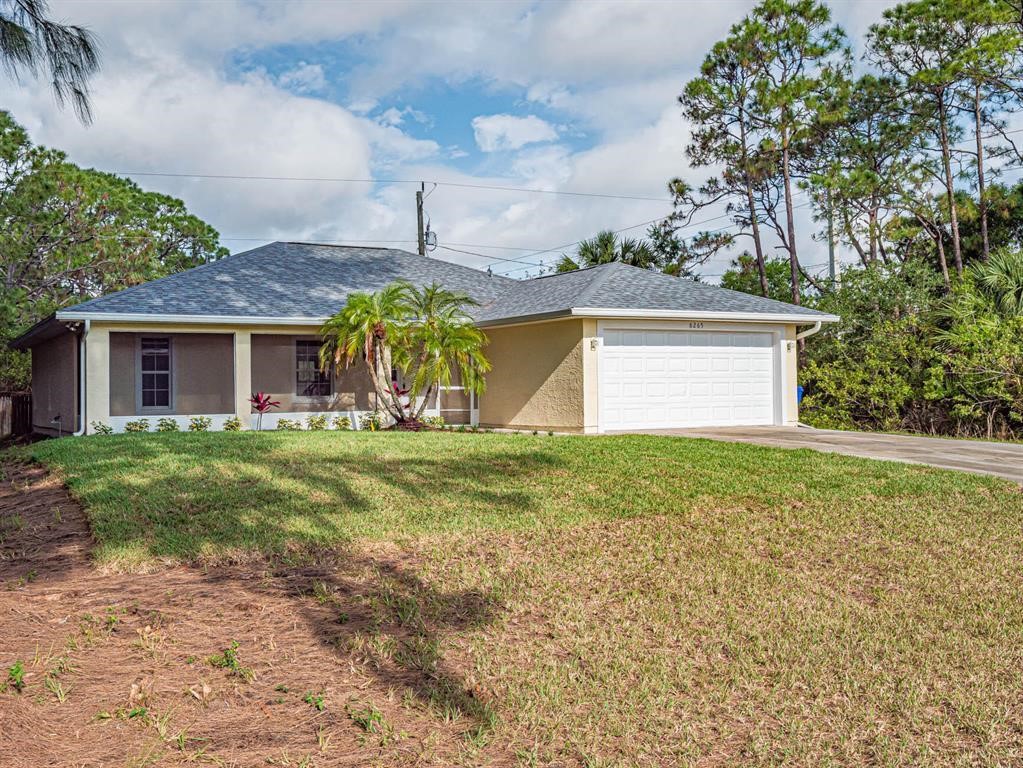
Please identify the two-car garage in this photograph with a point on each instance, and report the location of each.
(664, 377)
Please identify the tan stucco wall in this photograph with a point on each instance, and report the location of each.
(202, 373)
(273, 372)
(790, 365)
(537, 377)
(55, 384)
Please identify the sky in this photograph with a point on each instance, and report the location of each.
(561, 97)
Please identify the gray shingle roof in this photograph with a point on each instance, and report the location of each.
(301, 280)
(290, 280)
(623, 287)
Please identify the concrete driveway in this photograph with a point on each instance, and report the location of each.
(986, 458)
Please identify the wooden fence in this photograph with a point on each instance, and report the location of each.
(15, 414)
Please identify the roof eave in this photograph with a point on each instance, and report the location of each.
(44, 330)
(131, 317)
(694, 314)
(537, 317)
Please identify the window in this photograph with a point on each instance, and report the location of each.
(156, 373)
(310, 380)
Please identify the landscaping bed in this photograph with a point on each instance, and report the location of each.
(488, 599)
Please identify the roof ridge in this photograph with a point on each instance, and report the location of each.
(345, 245)
(595, 284)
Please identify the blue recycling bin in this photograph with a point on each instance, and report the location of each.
(799, 394)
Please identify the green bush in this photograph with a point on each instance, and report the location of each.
(234, 424)
(167, 425)
(141, 425)
(200, 424)
(434, 421)
(342, 423)
(316, 422)
(99, 428)
(289, 425)
(370, 421)
(908, 356)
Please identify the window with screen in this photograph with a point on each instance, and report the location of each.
(310, 380)
(156, 372)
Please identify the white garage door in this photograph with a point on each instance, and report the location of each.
(655, 379)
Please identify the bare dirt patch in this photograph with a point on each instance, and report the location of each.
(332, 663)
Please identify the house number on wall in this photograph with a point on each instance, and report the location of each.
(696, 325)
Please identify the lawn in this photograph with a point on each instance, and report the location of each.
(627, 600)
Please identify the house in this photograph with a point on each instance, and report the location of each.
(611, 347)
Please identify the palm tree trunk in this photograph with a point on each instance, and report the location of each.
(384, 394)
(422, 406)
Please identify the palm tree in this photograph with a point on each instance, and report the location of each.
(425, 333)
(367, 327)
(443, 338)
(31, 42)
(605, 248)
(1000, 278)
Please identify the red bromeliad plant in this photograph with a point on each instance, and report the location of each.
(262, 403)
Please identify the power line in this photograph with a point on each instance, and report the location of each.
(345, 180)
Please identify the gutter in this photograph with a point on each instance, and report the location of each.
(123, 317)
(81, 379)
(809, 331)
(675, 314)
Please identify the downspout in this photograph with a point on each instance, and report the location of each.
(81, 379)
(802, 335)
(809, 331)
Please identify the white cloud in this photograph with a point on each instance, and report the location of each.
(305, 78)
(502, 132)
(167, 101)
(395, 117)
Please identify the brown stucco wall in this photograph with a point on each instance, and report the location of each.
(537, 378)
(273, 372)
(55, 384)
(202, 378)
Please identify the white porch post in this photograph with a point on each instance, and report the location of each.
(243, 376)
(97, 381)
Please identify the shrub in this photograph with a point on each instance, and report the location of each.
(434, 421)
(234, 424)
(200, 424)
(370, 421)
(99, 428)
(141, 425)
(289, 425)
(342, 422)
(316, 423)
(167, 425)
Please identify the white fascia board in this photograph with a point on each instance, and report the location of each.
(121, 317)
(676, 314)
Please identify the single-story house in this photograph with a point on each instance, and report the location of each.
(611, 347)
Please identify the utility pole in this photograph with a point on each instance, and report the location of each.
(419, 216)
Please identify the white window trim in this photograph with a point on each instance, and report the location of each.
(155, 410)
(300, 398)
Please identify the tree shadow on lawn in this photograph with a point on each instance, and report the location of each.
(161, 500)
(295, 518)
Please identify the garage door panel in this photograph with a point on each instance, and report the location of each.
(665, 378)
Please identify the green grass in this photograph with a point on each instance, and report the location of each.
(627, 600)
(204, 495)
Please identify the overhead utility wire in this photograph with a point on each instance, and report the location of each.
(688, 226)
(341, 180)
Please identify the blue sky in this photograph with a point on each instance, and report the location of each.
(574, 96)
